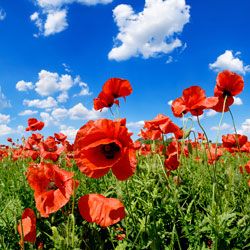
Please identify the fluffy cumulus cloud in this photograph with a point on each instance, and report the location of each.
(50, 82)
(50, 102)
(224, 126)
(229, 60)
(80, 112)
(2, 14)
(56, 22)
(245, 127)
(69, 131)
(211, 112)
(51, 18)
(28, 112)
(151, 32)
(5, 130)
(135, 125)
(4, 119)
(237, 101)
(24, 86)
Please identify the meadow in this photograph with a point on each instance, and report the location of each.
(170, 189)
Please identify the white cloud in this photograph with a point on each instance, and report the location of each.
(69, 131)
(24, 86)
(48, 119)
(50, 102)
(4, 119)
(229, 61)
(4, 103)
(224, 126)
(5, 130)
(63, 97)
(211, 112)
(2, 14)
(28, 112)
(50, 82)
(135, 125)
(53, 16)
(56, 22)
(80, 112)
(84, 87)
(151, 32)
(237, 101)
(245, 127)
(170, 102)
(59, 113)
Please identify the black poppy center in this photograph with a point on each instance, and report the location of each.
(109, 150)
(226, 93)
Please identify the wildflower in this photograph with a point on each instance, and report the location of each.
(104, 145)
(101, 210)
(34, 124)
(111, 90)
(53, 187)
(27, 228)
(228, 84)
(193, 100)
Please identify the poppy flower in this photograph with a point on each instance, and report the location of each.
(101, 210)
(164, 124)
(213, 154)
(52, 187)
(111, 90)
(34, 124)
(232, 143)
(104, 145)
(193, 100)
(27, 228)
(228, 84)
(60, 137)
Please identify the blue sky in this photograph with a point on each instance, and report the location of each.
(60, 52)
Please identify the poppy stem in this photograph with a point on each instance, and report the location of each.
(208, 146)
(236, 135)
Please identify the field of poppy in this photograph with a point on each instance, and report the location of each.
(170, 189)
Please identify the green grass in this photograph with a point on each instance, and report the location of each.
(160, 213)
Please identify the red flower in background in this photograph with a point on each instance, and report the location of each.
(193, 100)
(213, 154)
(101, 210)
(52, 187)
(27, 228)
(228, 84)
(111, 90)
(34, 124)
(233, 143)
(160, 125)
(60, 137)
(105, 145)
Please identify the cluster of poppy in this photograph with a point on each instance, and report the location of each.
(105, 145)
(99, 146)
(194, 100)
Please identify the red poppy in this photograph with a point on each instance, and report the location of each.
(9, 139)
(111, 90)
(101, 210)
(34, 124)
(232, 143)
(228, 84)
(105, 145)
(164, 125)
(53, 187)
(213, 154)
(193, 100)
(60, 137)
(49, 149)
(201, 136)
(27, 228)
